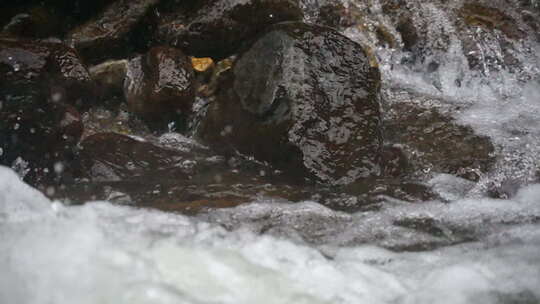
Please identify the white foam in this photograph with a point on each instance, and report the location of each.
(101, 253)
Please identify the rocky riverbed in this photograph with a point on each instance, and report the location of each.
(333, 151)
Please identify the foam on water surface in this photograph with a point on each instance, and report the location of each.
(468, 249)
(102, 253)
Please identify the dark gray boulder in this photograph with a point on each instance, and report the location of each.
(305, 99)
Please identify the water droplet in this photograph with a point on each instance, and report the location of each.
(56, 97)
(171, 126)
(50, 191)
(58, 167)
(227, 130)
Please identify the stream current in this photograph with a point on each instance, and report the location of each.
(476, 249)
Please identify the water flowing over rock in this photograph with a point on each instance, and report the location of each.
(159, 86)
(305, 99)
(134, 171)
(218, 27)
(432, 141)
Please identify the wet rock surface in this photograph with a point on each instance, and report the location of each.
(117, 31)
(171, 173)
(219, 27)
(159, 86)
(42, 19)
(433, 142)
(303, 98)
(37, 82)
(40, 141)
(292, 115)
(109, 78)
(32, 72)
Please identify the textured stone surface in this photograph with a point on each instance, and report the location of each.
(218, 27)
(37, 81)
(159, 85)
(303, 98)
(114, 32)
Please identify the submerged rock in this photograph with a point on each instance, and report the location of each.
(159, 86)
(115, 157)
(174, 174)
(119, 29)
(305, 99)
(219, 27)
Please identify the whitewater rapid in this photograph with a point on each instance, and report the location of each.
(463, 248)
(104, 253)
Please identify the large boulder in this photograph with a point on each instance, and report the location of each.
(218, 27)
(159, 86)
(305, 99)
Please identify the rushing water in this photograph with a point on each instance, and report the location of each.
(468, 249)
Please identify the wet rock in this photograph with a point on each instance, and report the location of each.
(409, 35)
(109, 77)
(37, 22)
(37, 80)
(486, 49)
(305, 99)
(434, 142)
(115, 157)
(491, 18)
(172, 173)
(42, 19)
(219, 27)
(334, 15)
(40, 141)
(159, 86)
(120, 29)
(32, 72)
